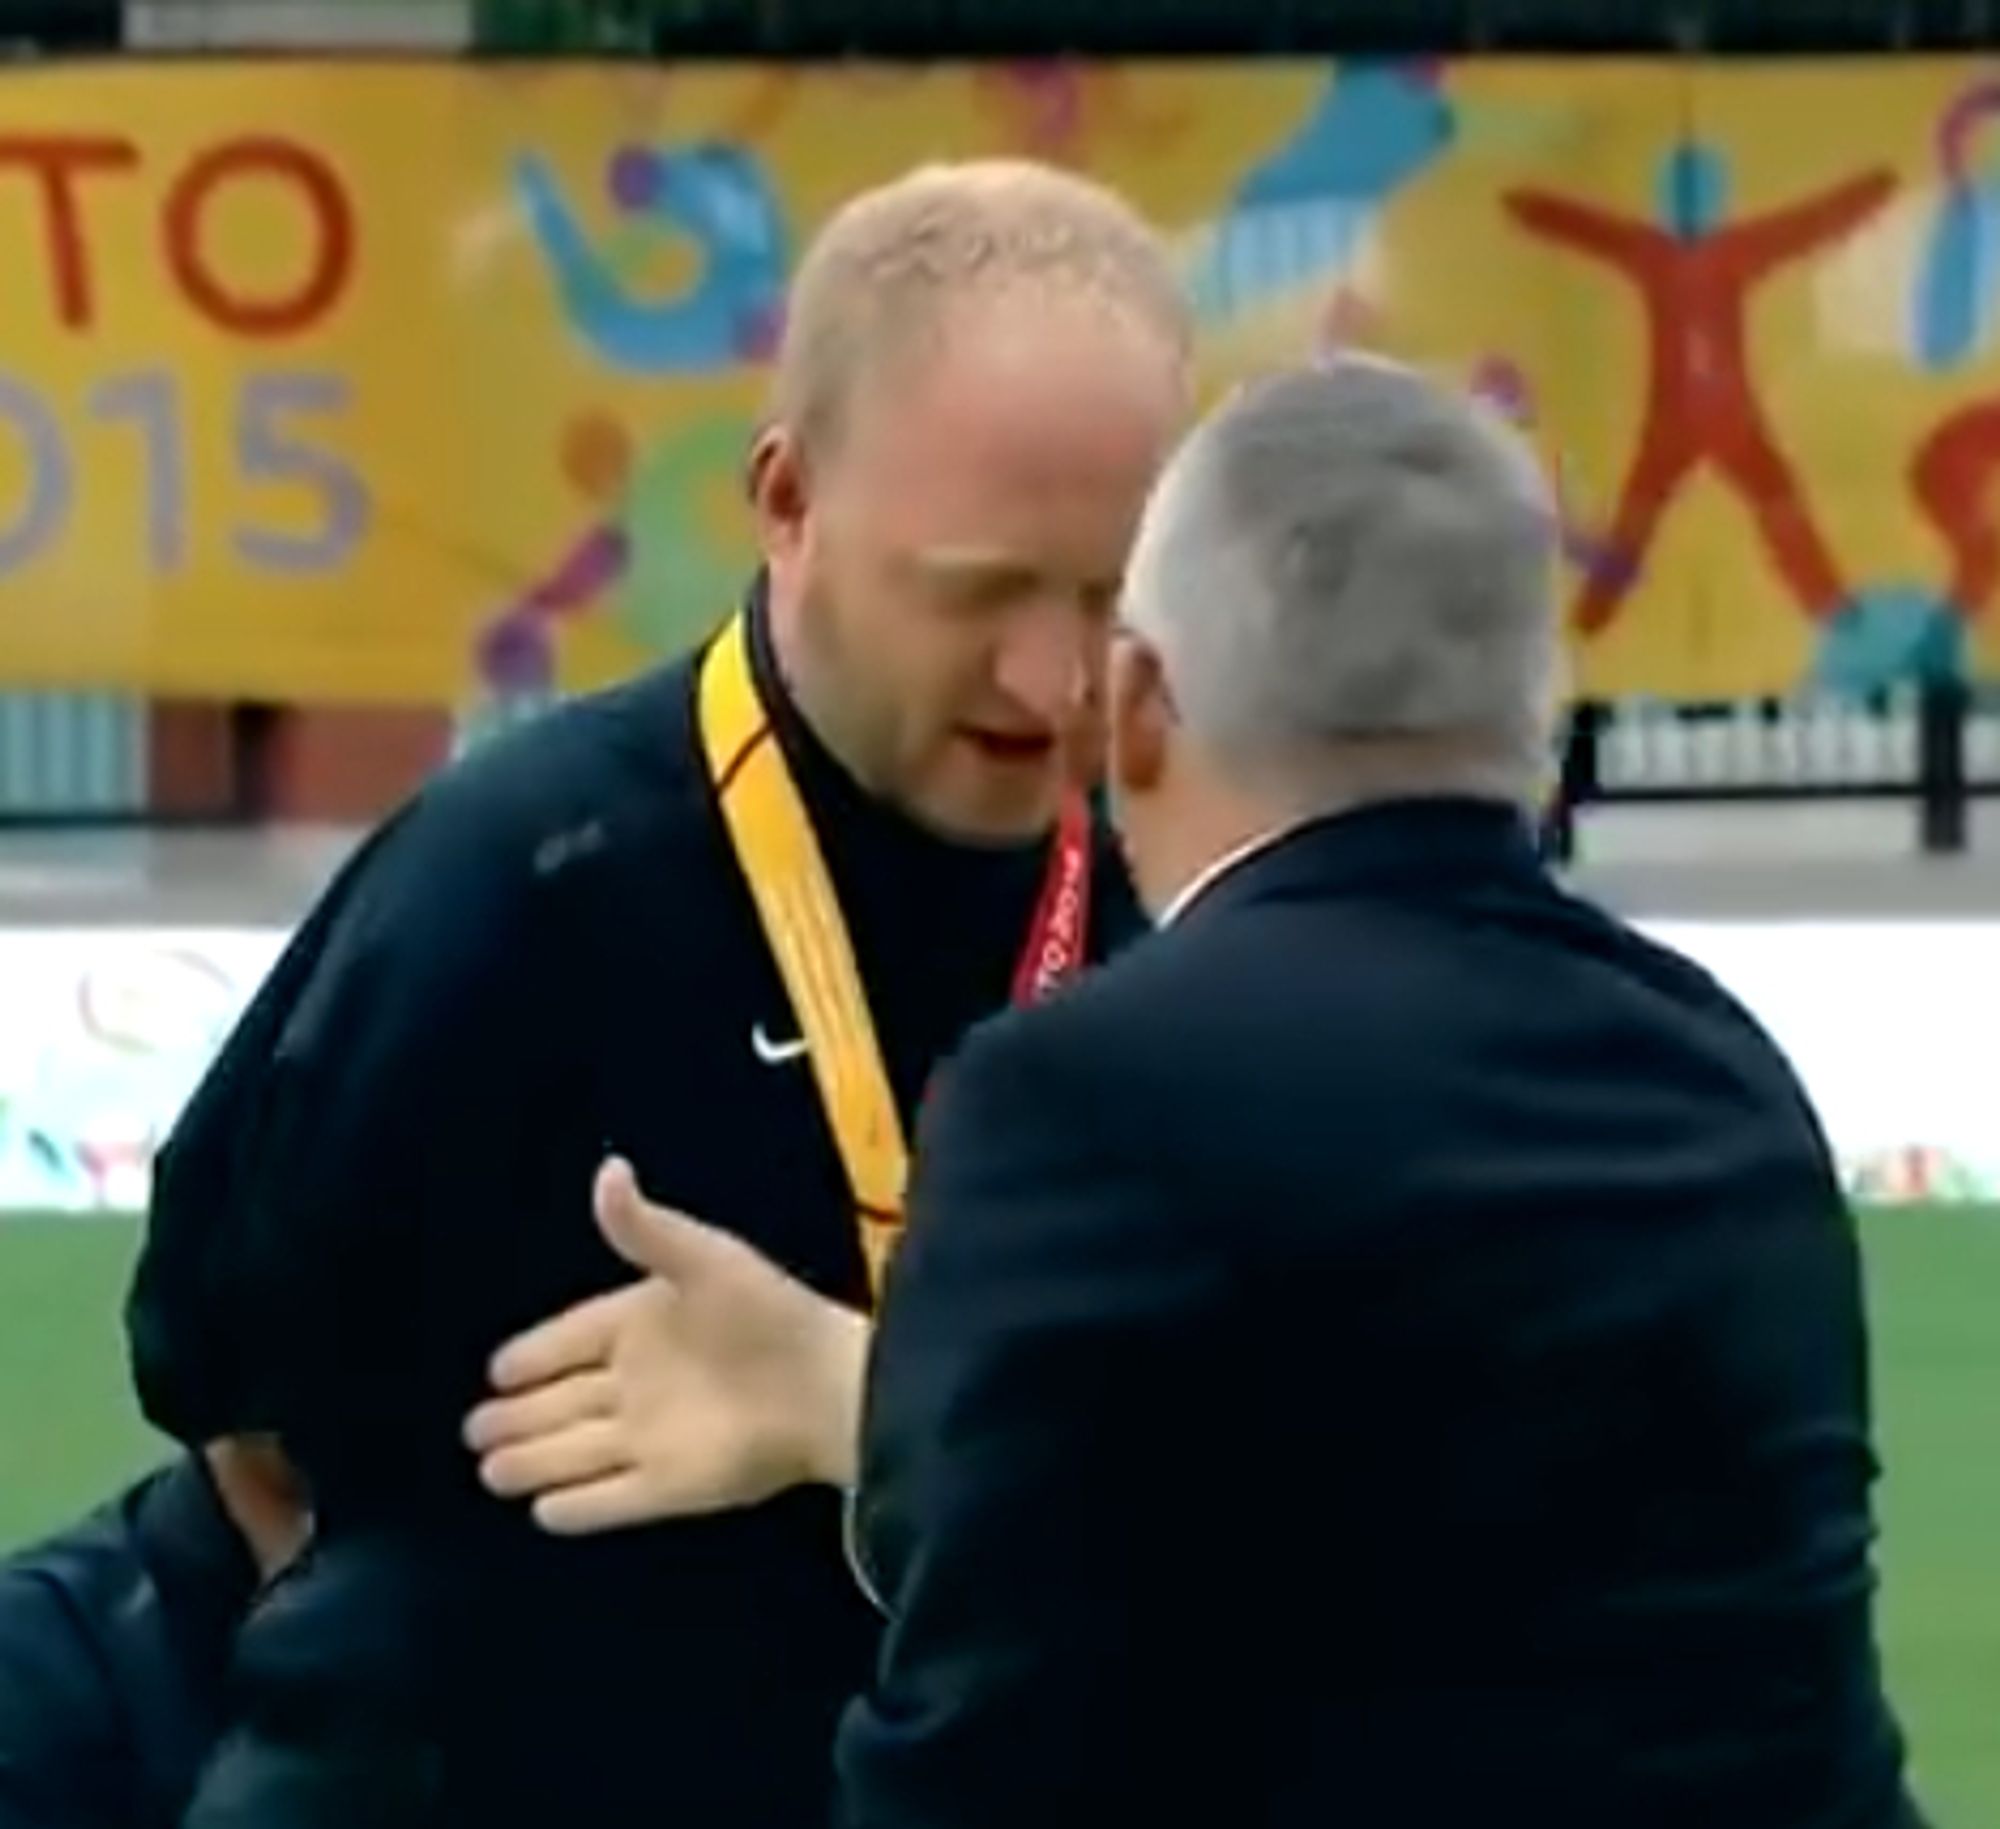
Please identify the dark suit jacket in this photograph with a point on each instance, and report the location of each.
(1389, 1350)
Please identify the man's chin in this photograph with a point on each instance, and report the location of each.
(989, 817)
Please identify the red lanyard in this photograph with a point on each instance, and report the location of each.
(1054, 950)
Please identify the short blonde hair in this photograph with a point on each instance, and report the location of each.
(882, 275)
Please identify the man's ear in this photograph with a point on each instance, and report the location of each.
(1140, 713)
(776, 479)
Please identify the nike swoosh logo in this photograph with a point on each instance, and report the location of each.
(775, 1054)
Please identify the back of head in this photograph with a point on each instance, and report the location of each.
(1348, 574)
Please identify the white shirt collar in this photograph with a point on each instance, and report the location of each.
(1206, 879)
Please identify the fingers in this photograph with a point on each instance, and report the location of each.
(616, 1503)
(621, 1501)
(580, 1339)
(585, 1451)
(544, 1410)
(658, 1240)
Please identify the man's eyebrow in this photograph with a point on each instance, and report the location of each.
(980, 564)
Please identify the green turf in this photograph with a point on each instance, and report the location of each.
(68, 1434)
(68, 1428)
(1934, 1290)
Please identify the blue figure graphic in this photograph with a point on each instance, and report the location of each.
(1955, 279)
(1300, 215)
(1888, 635)
(1960, 272)
(715, 195)
(1693, 190)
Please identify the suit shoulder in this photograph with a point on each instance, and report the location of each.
(1731, 1024)
(1670, 971)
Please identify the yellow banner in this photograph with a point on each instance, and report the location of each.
(398, 381)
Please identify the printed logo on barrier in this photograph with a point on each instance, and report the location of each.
(108, 1033)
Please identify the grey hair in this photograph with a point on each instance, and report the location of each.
(1348, 572)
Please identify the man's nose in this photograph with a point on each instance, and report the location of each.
(1045, 661)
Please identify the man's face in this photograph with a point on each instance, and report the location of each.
(956, 555)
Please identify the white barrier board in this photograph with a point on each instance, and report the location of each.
(1894, 1027)
(104, 1032)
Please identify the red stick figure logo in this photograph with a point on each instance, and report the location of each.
(1695, 277)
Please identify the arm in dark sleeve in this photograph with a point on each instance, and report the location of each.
(1030, 1512)
(400, 1155)
(336, 1279)
(186, 1310)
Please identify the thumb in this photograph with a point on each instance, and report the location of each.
(652, 1238)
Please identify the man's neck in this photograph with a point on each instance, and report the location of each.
(1194, 836)
(1219, 859)
(801, 679)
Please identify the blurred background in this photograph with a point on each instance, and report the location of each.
(375, 372)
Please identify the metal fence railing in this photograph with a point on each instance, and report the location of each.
(1936, 748)
(83, 758)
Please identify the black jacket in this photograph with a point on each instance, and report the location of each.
(1388, 1350)
(114, 1638)
(548, 956)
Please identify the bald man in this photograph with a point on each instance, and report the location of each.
(722, 922)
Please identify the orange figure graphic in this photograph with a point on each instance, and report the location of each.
(1695, 276)
(1949, 478)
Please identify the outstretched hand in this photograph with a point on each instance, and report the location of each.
(716, 1381)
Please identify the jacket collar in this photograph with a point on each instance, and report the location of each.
(1206, 879)
(1402, 847)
